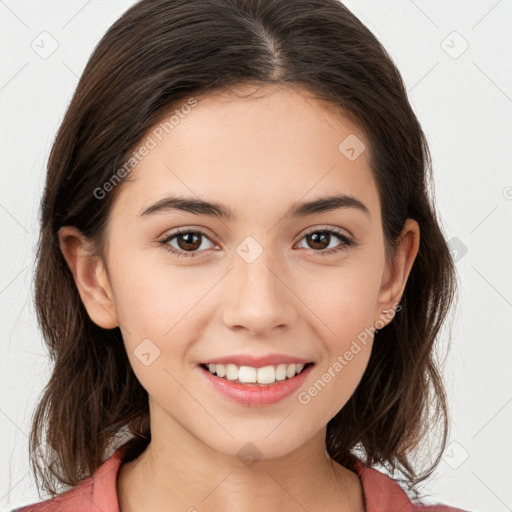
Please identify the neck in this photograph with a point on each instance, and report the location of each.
(177, 471)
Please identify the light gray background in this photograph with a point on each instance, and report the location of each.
(463, 98)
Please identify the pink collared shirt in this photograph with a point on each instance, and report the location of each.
(98, 493)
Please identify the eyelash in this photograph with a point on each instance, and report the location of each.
(346, 242)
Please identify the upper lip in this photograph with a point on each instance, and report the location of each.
(257, 361)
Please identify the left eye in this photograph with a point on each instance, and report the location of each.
(190, 241)
(319, 237)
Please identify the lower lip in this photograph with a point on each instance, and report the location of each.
(254, 394)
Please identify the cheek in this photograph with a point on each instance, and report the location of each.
(155, 305)
(153, 299)
(343, 297)
(344, 319)
(343, 304)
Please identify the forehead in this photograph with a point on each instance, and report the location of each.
(253, 145)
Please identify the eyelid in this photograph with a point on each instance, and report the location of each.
(339, 231)
(203, 231)
(346, 239)
(166, 237)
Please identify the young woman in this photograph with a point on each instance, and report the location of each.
(240, 276)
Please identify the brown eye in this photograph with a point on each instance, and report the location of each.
(188, 242)
(320, 240)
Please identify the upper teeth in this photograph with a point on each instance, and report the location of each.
(265, 375)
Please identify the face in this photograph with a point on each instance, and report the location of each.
(265, 280)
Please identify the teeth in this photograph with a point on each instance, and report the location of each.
(221, 370)
(247, 374)
(231, 372)
(250, 375)
(280, 372)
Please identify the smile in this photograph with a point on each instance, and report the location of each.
(242, 384)
(266, 375)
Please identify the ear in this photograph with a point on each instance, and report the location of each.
(397, 271)
(90, 276)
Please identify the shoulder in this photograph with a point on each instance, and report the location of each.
(96, 493)
(383, 494)
(74, 499)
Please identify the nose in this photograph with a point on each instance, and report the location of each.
(257, 297)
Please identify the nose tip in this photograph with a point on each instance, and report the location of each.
(258, 298)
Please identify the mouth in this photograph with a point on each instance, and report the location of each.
(253, 386)
(251, 376)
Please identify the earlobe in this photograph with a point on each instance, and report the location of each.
(89, 275)
(397, 271)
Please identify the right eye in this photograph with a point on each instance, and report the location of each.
(188, 239)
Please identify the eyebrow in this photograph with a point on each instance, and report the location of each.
(213, 209)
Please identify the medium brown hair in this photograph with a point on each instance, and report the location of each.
(156, 56)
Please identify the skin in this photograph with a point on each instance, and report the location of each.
(257, 155)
